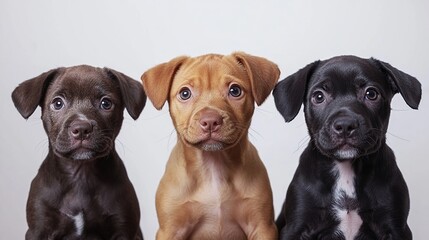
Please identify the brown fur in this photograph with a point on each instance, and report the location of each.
(215, 186)
(82, 190)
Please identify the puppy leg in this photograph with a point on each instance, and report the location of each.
(178, 224)
(260, 227)
(171, 234)
(256, 221)
(54, 226)
(263, 231)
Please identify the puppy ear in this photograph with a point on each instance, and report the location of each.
(132, 92)
(409, 87)
(29, 94)
(157, 80)
(263, 74)
(289, 93)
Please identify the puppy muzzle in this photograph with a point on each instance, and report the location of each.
(82, 140)
(346, 135)
(211, 130)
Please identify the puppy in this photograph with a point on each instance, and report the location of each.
(82, 190)
(347, 184)
(215, 185)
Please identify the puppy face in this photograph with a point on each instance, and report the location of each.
(211, 102)
(211, 97)
(346, 102)
(82, 108)
(347, 107)
(82, 114)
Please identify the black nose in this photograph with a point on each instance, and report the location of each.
(345, 126)
(80, 129)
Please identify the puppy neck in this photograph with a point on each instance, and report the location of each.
(74, 169)
(345, 177)
(230, 158)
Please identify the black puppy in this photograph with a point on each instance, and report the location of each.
(347, 185)
(82, 190)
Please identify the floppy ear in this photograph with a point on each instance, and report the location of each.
(132, 92)
(157, 80)
(29, 94)
(409, 87)
(263, 74)
(289, 93)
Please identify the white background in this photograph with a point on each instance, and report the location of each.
(132, 36)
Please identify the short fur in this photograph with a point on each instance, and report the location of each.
(215, 186)
(82, 190)
(347, 184)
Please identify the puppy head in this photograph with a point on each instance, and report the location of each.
(211, 97)
(346, 102)
(82, 108)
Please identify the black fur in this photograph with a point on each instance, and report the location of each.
(347, 107)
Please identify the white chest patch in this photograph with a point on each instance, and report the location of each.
(211, 192)
(345, 180)
(79, 222)
(345, 204)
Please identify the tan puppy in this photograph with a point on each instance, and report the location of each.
(215, 186)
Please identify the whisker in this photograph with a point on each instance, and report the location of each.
(169, 137)
(122, 146)
(302, 143)
(396, 136)
(252, 133)
(43, 145)
(252, 136)
(400, 110)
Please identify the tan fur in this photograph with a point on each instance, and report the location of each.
(215, 186)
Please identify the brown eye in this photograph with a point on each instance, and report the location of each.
(185, 93)
(371, 94)
(57, 103)
(235, 91)
(106, 104)
(318, 97)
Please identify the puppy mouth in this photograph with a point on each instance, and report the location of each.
(209, 141)
(346, 152)
(211, 145)
(347, 148)
(338, 148)
(83, 150)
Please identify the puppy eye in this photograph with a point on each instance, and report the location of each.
(318, 97)
(185, 93)
(106, 104)
(235, 91)
(371, 94)
(57, 103)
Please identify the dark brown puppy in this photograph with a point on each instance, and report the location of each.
(347, 184)
(82, 190)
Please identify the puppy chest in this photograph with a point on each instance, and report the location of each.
(345, 205)
(217, 201)
(215, 197)
(218, 218)
(83, 211)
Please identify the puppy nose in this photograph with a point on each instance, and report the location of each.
(345, 126)
(210, 121)
(80, 130)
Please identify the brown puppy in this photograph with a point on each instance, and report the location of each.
(82, 190)
(215, 186)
